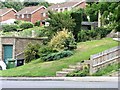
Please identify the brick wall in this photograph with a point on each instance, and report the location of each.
(25, 18)
(10, 15)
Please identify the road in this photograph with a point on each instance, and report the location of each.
(58, 84)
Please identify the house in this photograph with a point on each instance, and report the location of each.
(7, 14)
(31, 14)
(13, 47)
(61, 7)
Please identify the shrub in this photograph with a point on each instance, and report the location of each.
(57, 56)
(26, 25)
(102, 32)
(8, 28)
(98, 33)
(31, 52)
(63, 40)
(37, 23)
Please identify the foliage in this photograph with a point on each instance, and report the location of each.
(58, 21)
(17, 5)
(108, 69)
(98, 33)
(82, 73)
(26, 25)
(44, 69)
(63, 40)
(77, 16)
(57, 56)
(37, 23)
(39, 32)
(8, 28)
(46, 4)
(31, 52)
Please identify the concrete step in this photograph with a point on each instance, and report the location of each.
(77, 67)
(61, 73)
(68, 70)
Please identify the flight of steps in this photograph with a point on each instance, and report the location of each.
(71, 68)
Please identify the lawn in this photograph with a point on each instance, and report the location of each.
(83, 52)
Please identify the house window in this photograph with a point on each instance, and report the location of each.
(65, 9)
(61, 10)
(27, 16)
(22, 15)
(17, 16)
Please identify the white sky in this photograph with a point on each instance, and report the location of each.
(55, 1)
(50, 1)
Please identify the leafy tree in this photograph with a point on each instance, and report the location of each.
(46, 4)
(32, 3)
(17, 5)
(58, 21)
(77, 16)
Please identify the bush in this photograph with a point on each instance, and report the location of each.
(63, 40)
(8, 28)
(31, 52)
(98, 33)
(57, 56)
(37, 23)
(26, 25)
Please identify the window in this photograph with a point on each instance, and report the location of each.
(22, 15)
(27, 16)
(44, 14)
(65, 9)
(17, 16)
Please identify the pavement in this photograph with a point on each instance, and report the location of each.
(83, 79)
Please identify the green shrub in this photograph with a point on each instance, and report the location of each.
(98, 33)
(32, 52)
(57, 56)
(63, 40)
(37, 23)
(26, 25)
(8, 28)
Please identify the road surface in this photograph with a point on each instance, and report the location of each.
(58, 84)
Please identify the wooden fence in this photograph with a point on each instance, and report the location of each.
(100, 60)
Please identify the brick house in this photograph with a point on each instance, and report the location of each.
(67, 6)
(7, 14)
(31, 14)
(13, 47)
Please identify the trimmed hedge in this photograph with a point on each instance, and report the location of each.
(56, 56)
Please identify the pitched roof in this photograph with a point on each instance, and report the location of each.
(63, 5)
(29, 10)
(5, 11)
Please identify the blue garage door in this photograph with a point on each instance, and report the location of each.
(8, 52)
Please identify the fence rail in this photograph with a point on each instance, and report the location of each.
(97, 61)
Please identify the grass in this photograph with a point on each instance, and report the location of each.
(108, 70)
(83, 52)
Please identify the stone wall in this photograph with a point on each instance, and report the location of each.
(100, 60)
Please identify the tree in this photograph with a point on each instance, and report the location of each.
(77, 16)
(17, 5)
(46, 4)
(58, 21)
(32, 3)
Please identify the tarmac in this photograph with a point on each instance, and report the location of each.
(83, 79)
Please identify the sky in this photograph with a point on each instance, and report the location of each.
(55, 1)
